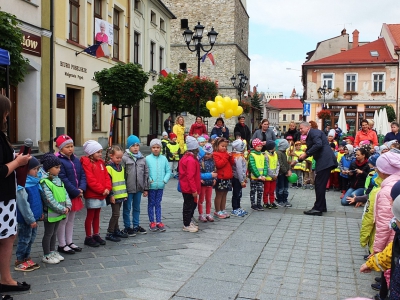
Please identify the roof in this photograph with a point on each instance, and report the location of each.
(358, 55)
(395, 32)
(167, 9)
(286, 103)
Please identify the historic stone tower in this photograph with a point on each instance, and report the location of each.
(230, 19)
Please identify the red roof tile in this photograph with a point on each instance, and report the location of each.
(395, 31)
(358, 55)
(286, 103)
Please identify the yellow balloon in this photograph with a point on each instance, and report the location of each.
(220, 107)
(214, 112)
(227, 101)
(210, 104)
(234, 104)
(228, 113)
(238, 111)
(218, 98)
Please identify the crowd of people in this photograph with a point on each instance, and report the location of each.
(61, 184)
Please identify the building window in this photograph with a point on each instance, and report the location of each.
(284, 128)
(137, 5)
(284, 117)
(293, 117)
(327, 79)
(300, 117)
(351, 82)
(96, 14)
(162, 24)
(96, 112)
(136, 40)
(74, 20)
(379, 80)
(116, 34)
(153, 17)
(161, 58)
(152, 47)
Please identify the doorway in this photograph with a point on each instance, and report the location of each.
(73, 115)
(135, 119)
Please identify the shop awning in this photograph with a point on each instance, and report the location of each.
(4, 57)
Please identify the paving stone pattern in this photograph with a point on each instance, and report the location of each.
(275, 254)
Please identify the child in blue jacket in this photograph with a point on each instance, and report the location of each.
(159, 174)
(29, 211)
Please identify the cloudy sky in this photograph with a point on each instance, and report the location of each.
(282, 32)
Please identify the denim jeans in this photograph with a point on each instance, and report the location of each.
(26, 237)
(351, 192)
(282, 187)
(132, 204)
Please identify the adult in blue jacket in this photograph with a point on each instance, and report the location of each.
(220, 129)
(394, 134)
(325, 160)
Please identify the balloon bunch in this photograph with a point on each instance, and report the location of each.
(227, 106)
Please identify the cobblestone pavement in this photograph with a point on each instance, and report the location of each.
(275, 254)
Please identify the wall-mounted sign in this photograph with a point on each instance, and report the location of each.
(344, 106)
(60, 101)
(373, 106)
(31, 44)
(104, 32)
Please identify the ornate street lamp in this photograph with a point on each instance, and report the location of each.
(240, 86)
(196, 37)
(323, 91)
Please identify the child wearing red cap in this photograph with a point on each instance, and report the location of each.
(74, 179)
(173, 153)
(258, 169)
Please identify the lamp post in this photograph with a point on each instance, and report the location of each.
(196, 37)
(323, 91)
(241, 84)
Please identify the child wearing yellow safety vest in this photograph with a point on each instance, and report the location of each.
(56, 204)
(173, 153)
(299, 167)
(258, 170)
(271, 179)
(164, 142)
(118, 193)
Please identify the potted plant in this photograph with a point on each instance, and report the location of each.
(324, 114)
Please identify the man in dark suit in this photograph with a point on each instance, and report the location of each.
(325, 160)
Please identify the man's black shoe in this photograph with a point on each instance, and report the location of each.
(378, 279)
(313, 212)
(376, 286)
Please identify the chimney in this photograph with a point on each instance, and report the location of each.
(343, 31)
(355, 38)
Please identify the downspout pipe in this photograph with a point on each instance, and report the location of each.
(51, 73)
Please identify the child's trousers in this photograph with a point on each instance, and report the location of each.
(49, 236)
(205, 195)
(236, 193)
(26, 237)
(256, 187)
(154, 205)
(269, 191)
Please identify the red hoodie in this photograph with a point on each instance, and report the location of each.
(189, 174)
(97, 178)
(223, 163)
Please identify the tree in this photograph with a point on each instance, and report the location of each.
(165, 94)
(255, 101)
(179, 92)
(122, 84)
(11, 40)
(390, 112)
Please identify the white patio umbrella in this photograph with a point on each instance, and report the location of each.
(376, 119)
(385, 128)
(342, 121)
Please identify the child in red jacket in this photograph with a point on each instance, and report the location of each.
(98, 187)
(223, 163)
(190, 182)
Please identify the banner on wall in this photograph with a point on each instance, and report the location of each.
(103, 32)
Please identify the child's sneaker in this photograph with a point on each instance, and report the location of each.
(32, 264)
(210, 218)
(288, 204)
(22, 266)
(139, 230)
(304, 186)
(260, 208)
(235, 213)
(121, 234)
(89, 241)
(266, 205)
(202, 218)
(242, 210)
(194, 221)
(273, 205)
(57, 255)
(227, 215)
(221, 215)
(153, 226)
(311, 187)
(194, 225)
(98, 239)
(112, 237)
(160, 226)
(190, 229)
(50, 259)
(129, 231)
(254, 207)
